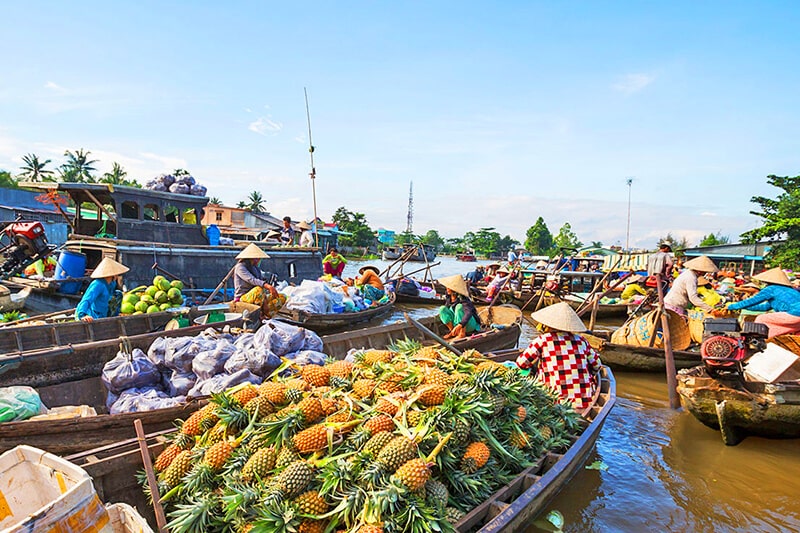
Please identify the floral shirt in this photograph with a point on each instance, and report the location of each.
(567, 364)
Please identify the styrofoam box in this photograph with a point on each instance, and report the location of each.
(40, 492)
(126, 519)
(773, 364)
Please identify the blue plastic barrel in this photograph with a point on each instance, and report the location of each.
(70, 265)
(212, 232)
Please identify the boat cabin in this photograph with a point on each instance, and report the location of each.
(129, 213)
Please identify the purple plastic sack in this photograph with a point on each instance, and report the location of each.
(179, 188)
(312, 341)
(279, 337)
(181, 351)
(307, 357)
(179, 384)
(143, 399)
(212, 362)
(157, 352)
(221, 382)
(129, 371)
(259, 362)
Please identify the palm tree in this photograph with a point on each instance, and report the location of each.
(78, 168)
(214, 200)
(33, 169)
(255, 202)
(116, 176)
(242, 204)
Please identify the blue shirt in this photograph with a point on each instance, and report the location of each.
(95, 300)
(772, 298)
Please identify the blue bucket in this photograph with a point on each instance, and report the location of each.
(70, 265)
(212, 232)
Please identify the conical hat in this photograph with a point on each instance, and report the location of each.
(559, 316)
(503, 269)
(303, 225)
(541, 264)
(774, 275)
(252, 252)
(701, 264)
(109, 268)
(369, 267)
(455, 283)
(273, 233)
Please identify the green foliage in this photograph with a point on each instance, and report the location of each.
(566, 238)
(254, 202)
(433, 238)
(675, 243)
(484, 242)
(405, 238)
(34, 169)
(118, 176)
(781, 220)
(454, 245)
(214, 200)
(78, 168)
(7, 180)
(356, 224)
(714, 239)
(538, 239)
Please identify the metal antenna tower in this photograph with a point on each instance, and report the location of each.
(410, 218)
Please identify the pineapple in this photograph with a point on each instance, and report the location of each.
(166, 457)
(518, 439)
(340, 369)
(414, 417)
(178, 468)
(317, 376)
(491, 367)
(260, 464)
(340, 383)
(285, 457)
(245, 395)
(363, 388)
(375, 444)
(311, 526)
(413, 474)
(294, 478)
(259, 407)
(273, 391)
(311, 503)
(435, 376)
(522, 414)
(200, 421)
(311, 439)
(371, 427)
(329, 405)
(370, 528)
(396, 452)
(453, 515)
(426, 355)
(299, 384)
(345, 415)
(430, 395)
(386, 406)
(312, 410)
(475, 456)
(214, 458)
(370, 357)
(436, 493)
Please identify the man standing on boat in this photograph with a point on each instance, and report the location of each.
(660, 262)
(566, 361)
(96, 301)
(458, 313)
(287, 232)
(250, 283)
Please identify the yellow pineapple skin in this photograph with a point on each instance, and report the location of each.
(311, 439)
(413, 474)
(218, 454)
(315, 375)
(166, 457)
(476, 455)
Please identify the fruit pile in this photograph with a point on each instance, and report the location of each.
(404, 439)
(159, 296)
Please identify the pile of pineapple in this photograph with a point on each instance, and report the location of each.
(404, 439)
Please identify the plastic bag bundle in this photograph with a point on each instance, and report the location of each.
(211, 362)
(244, 341)
(220, 382)
(259, 362)
(198, 190)
(278, 337)
(312, 341)
(157, 352)
(179, 383)
(182, 351)
(310, 296)
(179, 188)
(144, 399)
(19, 403)
(307, 357)
(128, 371)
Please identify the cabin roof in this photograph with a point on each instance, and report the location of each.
(122, 190)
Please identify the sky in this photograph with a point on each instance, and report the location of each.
(499, 112)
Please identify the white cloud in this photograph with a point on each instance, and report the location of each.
(54, 87)
(633, 83)
(169, 163)
(248, 110)
(707, 214)
(263, 125)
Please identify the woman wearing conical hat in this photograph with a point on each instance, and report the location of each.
(684, 288)
(250, 285)
(95, 301)
(779, 296)
(565, 361)
(458, 313)
(306, 237)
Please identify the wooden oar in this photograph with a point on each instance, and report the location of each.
(418, 270)
(221, 283)
(599, 284)
(432, 335)
(586, 304)
(161, 519)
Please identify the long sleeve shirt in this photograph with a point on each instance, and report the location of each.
(95, 300)
(566, 363)
(306, 239)
(660, 263)
(245, 277)
(772, 298)
(684, 291)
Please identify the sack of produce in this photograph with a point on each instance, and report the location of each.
(244, 341)
(19, 403)
(312, 341)
(220, 382)
(179, 188)
(130, 370)
(259, 362)
(212, 362)
(157, 352)
(310, 296)
(279, 337)
(307, 357)
(180, 383)
(181, 351)
(137, 400)
(198, 190)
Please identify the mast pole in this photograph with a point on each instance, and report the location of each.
(313, 173)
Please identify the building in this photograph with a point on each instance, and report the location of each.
(240, 224)
(385, 236)
(748, 258)
(19, 203)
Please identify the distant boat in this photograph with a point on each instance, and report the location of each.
(410, 252)
(467, 256)
(12, 301)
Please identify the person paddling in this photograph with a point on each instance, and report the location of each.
(96, 301)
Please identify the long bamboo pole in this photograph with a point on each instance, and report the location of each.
(161, 519)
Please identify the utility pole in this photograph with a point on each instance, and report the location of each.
(410, 218)
(313, 173)
(629, 181)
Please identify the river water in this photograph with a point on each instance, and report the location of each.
(665, 470)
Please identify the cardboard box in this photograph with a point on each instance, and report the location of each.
(773, 364)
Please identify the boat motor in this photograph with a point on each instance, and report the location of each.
(725, 346)
(27, 244)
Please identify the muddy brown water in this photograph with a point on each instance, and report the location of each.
(665, 470)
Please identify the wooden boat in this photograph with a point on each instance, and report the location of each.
(422, 253)
(739, 408)
(421, 300)
(604, 310)
(143, 227)
(83, 364)
(330, 322)
(468, 257)
(640, 358)
(13, 301)
(511, 508)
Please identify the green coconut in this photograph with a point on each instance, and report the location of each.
(178, 284)
(160, 297)
(127, 308)
(153, 309)
(130, 298)
(141, 306)
(151, 290)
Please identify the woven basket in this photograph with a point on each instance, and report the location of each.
(790, 342)
(501, 314)
(645, 326)
(696, 326)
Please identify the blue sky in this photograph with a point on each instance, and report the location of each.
(498, 113)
